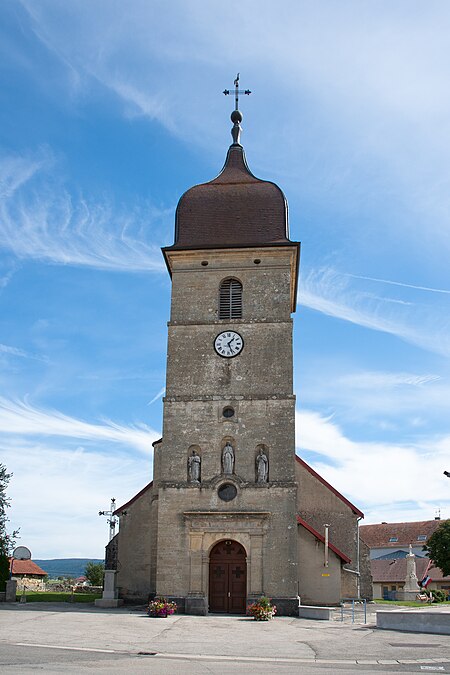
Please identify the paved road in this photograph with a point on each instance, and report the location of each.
(64, 639)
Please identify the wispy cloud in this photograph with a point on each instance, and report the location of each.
(399, 283)
(373, 401)
(15, 351)
(160, 394)
(368, 473)
(330, 293)
(74, 483)
(23, 419)
(44, 222)
(381, 380)
(366, 122)
(6, 278)
(71, 459)
(15, 171)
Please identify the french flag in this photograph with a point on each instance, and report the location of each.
(425, 581)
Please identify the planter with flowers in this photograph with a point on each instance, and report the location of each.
(262, 609)
(160, 607)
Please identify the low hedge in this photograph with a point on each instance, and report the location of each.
(45, 596)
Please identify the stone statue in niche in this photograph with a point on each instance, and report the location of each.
(228, 458)
(262, 467)
(194, 464)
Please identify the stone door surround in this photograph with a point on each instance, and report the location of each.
(207, 528)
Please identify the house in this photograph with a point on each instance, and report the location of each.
(392, 540)
(28, 574)
(389, 576)
(389, 545)
(82, 581)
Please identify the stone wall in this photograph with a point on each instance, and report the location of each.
(134, 550)
(366, 587)
(111, 553)
(29, 584)
(318, 585)
(318, 504)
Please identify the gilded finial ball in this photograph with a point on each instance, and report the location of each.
(236, 116)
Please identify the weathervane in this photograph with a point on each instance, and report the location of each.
(236, 115)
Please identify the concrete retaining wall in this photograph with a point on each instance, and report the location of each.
(311, 612)
(415, 621)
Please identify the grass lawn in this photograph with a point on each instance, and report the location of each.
(409, 603)
(48, 596)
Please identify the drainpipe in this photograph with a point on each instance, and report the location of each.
(326, 526)
(357, 559)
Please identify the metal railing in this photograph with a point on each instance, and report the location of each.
(356, 610)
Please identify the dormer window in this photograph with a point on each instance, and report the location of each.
(393, 539)
(230, 299)
(421, 537)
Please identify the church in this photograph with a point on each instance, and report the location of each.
(232, 513)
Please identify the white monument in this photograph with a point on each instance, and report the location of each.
(411, 587)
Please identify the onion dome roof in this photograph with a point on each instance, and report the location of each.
(234, 209)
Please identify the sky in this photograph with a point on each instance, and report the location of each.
(108, 113)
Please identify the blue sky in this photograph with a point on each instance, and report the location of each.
(107, 115)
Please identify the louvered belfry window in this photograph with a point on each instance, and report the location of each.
(230, 299)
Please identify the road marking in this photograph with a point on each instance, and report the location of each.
(265, 659)
(254, 659)
(74, 649)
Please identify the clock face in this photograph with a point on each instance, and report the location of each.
(228, 344)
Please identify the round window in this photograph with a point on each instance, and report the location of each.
(227, 492)
(228, 412)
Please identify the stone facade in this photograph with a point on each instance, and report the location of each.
(320, 503)
(200, 386)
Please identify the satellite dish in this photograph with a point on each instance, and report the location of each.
(22, 553)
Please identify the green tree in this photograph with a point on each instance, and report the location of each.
(4, 571)
(7, 541)
(438, 547)
(94, 573)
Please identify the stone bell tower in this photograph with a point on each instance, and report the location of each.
(224, 489)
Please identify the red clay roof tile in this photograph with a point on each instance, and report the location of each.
(27, 567)
(377, 536)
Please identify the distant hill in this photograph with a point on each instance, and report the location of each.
(65, 567)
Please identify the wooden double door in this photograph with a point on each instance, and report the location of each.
(228, 578)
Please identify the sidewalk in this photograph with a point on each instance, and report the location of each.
(289, 640)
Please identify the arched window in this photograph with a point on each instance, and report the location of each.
(230, 299)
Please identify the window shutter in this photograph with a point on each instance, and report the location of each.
(230, 299)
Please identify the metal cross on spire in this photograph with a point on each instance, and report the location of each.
(237, 91)
(236, 115)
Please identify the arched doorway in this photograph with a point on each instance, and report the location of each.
(228, 578)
